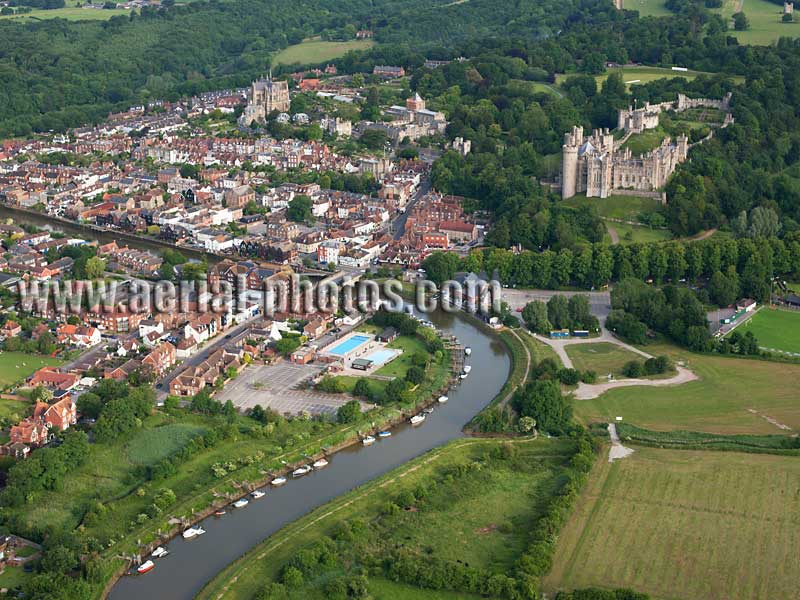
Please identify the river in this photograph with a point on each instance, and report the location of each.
(192, 563)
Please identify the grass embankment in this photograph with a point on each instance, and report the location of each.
(435, 504)
(625, 208)
(316, 51)
(646, 74)
(775, 329)
(17, 366)
(732, 396)
(642, 143)
(648, 522)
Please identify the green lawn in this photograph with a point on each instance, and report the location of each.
(16, 366)
(648, 8)
(11, 408)
(648, 522)
(383, 589)
(13, 577)
(152, 445)
(776, 329)
(646, 74)
(70, 13)
(733, 395)
(317, 51)
(627, 208)
(410, 345)
(637, 234)
(481, 519)
(765, 22)
(642, 143)
(602, 358)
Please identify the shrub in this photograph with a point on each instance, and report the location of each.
(633, 369)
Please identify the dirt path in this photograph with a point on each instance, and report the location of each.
(613, 234)
(704, 235)
(617, 450)
(528, 358)
(587, 391)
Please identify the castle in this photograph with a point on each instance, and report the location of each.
(264, 96)
(598, 165)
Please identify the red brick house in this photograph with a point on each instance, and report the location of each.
(11, 329)
(59, 415)
(51, 378)
(161, 358)
(31, 432)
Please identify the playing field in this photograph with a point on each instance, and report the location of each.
(733, 395)
(16, 366)
(775, 329)
(317, 51)
(650, 523)
(644, 74)
(602, 358)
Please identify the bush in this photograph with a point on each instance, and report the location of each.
(633, 369)
(569, 376)
(349, 413)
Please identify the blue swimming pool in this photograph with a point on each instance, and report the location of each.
(381, 356)
(349, 345)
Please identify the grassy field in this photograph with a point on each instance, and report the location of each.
(733, 395)
(70, 12)
(765, 22)
(648, 8)
(400, 365)
(627, 208)
(11, 408)
(646, 74)
(317, 51)
(16, 366)
(648, 522)
(637, 234)
(602, 358)
(152, 445)
(480, 519)
(389, 590)
(644, 142)
(776, 329)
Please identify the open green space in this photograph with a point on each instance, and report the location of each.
(642, 143)
(14, 577)
(638, 234)
(461, 503)
(602, 358)
(648, 8)
(626, 208)
(410, 345)
(317, 51)
(776, 329)
(765, 22)
(646, 74)
(155, 444)
(70, 12)
(648, 522)
(16, 366)
(389, 590)
(733, 395)
(12, 408)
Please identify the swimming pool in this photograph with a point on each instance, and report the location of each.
(381, 356)
(349, 345)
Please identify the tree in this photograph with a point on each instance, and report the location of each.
(440, 266)
(542, 400)
(349, 412)
(361, 388)
(724, 289)
(740, 21)
(558, 312)
(287, 344)
(95, 267)
(535, 316)
(415, 375)
(300, 209)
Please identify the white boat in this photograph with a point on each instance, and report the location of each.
(146, 566)
(320, 464)
(467, 350)
(463, 375)
(159, 552)
(443, 399)
(384, 434)
(241, 503)
(300, 471)
(428, 410)
(256, 494)
(278, 481)
(467, 368)
(369, 440)
(417, 419)
(193, 532)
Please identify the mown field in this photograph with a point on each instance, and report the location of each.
(644, 142)
(733, 395)
(16, 366)
(646, 74)
(317, 51)
(70, 12)
(602, 358)
(775, 329)
(627, 208)
(648, 522)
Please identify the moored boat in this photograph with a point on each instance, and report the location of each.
(467, 368)
(443, 399)
(320, 464)
(368, 441)
(428, 410)
(278, 481)
(159, 552)
(467, 350)
(220, 512)
(300, 471)
(193, 532)
(257, 494)
(384, 434)
(241, 503)
(463, 375)
(416, 419)
(146, 566)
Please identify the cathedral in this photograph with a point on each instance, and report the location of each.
(264, 96)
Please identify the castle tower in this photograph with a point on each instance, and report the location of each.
(415, 103)
(569, 164)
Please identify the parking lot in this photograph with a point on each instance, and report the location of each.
(281, 387)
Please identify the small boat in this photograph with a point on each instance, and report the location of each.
(257, 494)
(443, 399)
(220, 512)
(417, 419)
(159, 552)
(369, 440)
(300, 471)
(193, 532)
(241, 503)
(467, 350)
(467, 368)
(146, 566)
(463, 375)
(384, 434)
(428, 410)
(320, 464)
(278, 481)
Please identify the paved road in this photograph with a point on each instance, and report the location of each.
(600, 302)
(399, 223)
